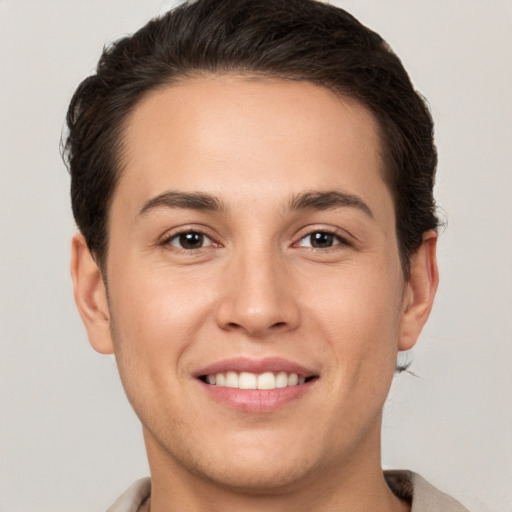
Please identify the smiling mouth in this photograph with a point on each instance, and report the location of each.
(260, 381)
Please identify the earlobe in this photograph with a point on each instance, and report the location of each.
(420, 291)
(90, 295)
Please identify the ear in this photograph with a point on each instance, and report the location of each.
(420, 291)
(90, 295)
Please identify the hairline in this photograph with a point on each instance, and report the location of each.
(119, 153)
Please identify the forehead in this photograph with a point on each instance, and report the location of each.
(239, 136)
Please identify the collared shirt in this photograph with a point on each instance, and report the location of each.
(406, 485)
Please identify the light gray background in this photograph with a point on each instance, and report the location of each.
(69, 441)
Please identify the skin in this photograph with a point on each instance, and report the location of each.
(256, 288)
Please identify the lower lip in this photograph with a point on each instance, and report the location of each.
(257, 400)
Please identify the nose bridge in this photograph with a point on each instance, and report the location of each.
(258, 298)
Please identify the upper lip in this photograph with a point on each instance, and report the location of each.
(244, 364)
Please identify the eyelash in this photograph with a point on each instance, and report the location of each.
(338, 239)
(179, 238)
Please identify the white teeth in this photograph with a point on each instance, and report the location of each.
(231, 380)
(281, 380)
(248, 380)
(266, 380)
(293, 379)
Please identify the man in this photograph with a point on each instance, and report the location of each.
(252, 181)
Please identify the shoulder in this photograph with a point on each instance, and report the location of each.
(423, 496)
(132, 499)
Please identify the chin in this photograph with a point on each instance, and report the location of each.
(251, 463)
(259, 476)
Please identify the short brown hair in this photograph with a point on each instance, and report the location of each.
(289, 39)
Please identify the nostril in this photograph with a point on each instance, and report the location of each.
(235, 325)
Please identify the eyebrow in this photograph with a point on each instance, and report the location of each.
(328, 200)
(189, 200)
(206, 202)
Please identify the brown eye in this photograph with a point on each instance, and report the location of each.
(320, 240)
(190, 240)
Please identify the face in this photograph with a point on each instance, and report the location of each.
(256, 301)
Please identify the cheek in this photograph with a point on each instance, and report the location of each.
(359, 312)
(155, 320)
(154, 316)
(369, 293)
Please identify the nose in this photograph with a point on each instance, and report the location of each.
(259, 298)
